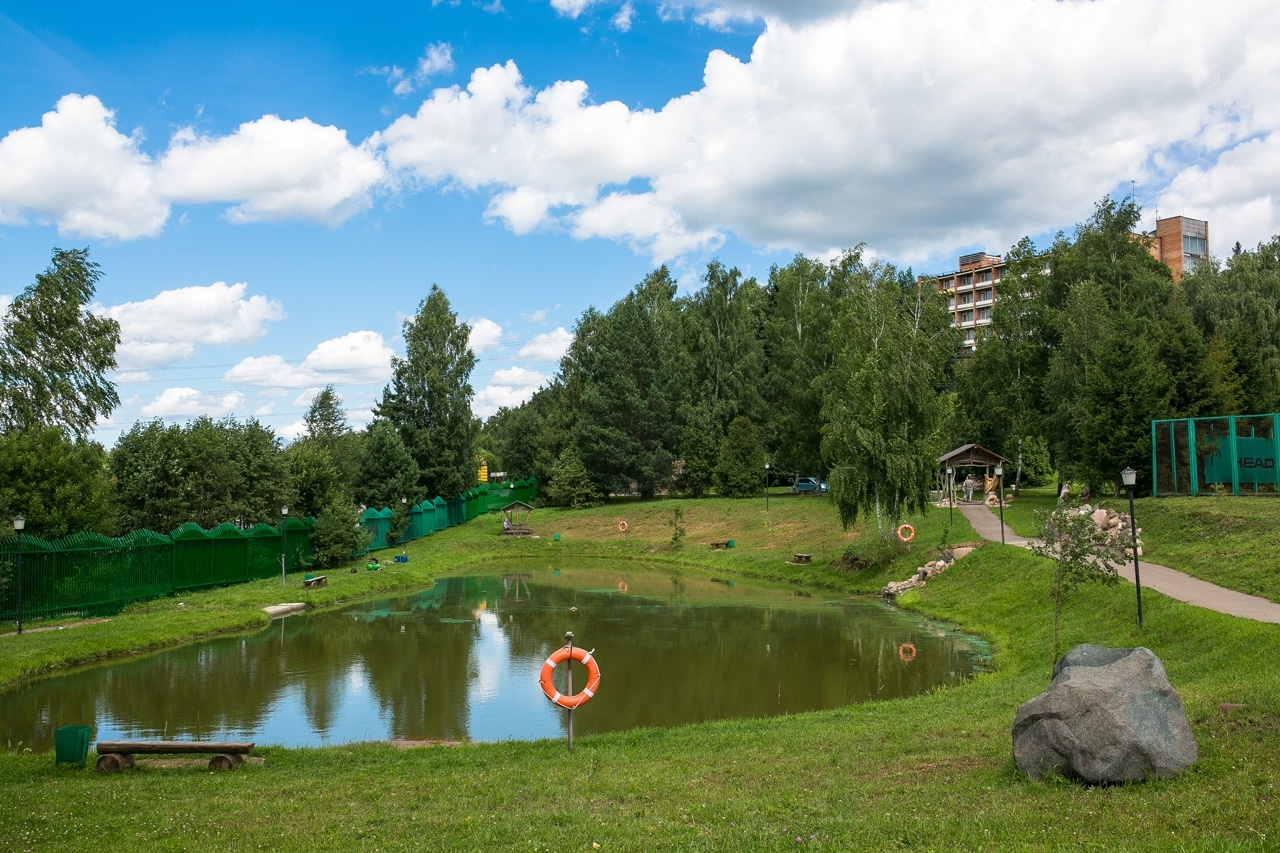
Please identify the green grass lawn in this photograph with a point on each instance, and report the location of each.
(1025, 513)
(934, 772)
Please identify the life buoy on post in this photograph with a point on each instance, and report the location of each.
(909, 535)
(558, 657)
(622, 525)
(907, 651)
(622, 586)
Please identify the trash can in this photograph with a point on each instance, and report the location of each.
(71, 744)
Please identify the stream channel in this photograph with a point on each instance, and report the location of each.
(460, 661)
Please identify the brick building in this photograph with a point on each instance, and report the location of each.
(1177, 242)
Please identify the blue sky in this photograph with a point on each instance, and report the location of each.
(270, 191)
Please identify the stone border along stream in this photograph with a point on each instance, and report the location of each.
(1163, 579)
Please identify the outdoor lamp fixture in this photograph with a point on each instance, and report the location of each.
(951, 495)
(1000, 486)
(18, 524)
(284, 543)
(766, 486)
(1130, 479)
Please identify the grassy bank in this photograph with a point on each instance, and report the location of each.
(932, 772)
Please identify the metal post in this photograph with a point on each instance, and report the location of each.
(18, 530)
(951, 495)
(284, 544)
(1133, 529)
(568, 638)
(766, 487)
(1000, 495)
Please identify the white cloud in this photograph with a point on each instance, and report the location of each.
(861, 122)
(548, 346)
(539, 316)
(190, 402)
(622, 19)
(5, 301)
(273, 169)
(167, 327)
(293, 431)
(357, 357)
(572, 8)
(437, 59)
(484, 334)
(508, 387)
(77, 171)
(1239, 194)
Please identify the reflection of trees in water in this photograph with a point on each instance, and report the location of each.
(666, 661)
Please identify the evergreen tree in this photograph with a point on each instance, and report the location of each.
(429, 398)
(699, 450)
(388, 471)
(338, 534)
(569, 484)
(740, 470)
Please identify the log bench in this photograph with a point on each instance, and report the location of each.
(115, 754)
(318, 580)
(802, 559)
(719, 546)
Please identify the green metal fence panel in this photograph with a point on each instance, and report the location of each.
(229, 555)
(192, 556)
(1228, 455)
(378, 523)
(263, 552)
(441, 520)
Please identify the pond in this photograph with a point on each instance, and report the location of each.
(460, 661)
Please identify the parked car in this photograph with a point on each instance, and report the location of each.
(809, 484)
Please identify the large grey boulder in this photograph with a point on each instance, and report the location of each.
(1109, 715)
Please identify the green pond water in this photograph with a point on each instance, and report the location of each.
(461, 661)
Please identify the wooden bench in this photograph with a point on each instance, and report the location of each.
(115, 754)
(318, 580)
(719, 546)
(801, 559)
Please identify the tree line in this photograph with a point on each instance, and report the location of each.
(848, 370)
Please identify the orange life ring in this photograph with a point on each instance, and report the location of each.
(559, 656)
(911, 532)
(907, 651)
(622, 586)
(622, 525)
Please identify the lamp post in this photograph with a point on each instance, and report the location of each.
(18, 524)
(284, 543)
(951, 495)
(1130, 479)
(1000, 494)
(766, 487)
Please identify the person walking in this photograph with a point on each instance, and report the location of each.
(968, 487)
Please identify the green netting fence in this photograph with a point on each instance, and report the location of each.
(1205, 456)
(87, 574)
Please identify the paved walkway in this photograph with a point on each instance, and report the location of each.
(1162, 579)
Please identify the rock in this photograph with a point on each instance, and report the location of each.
(899, 587)
(962, 551)
(1109, 715)
(1100, 519)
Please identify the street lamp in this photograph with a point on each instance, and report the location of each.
(284, 543)
(1130, 479)
(951, 495)
(766, 487)
(18, 524)
(1000, 487)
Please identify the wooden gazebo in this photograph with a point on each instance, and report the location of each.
(515, 519)
(972, 456)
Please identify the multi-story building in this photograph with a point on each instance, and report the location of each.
(971, 291)
(1178, 242)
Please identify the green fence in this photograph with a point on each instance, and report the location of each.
(88, 574)
(1229, 455)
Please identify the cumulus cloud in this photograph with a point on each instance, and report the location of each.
(190, 402)
(623, 17)
(859, 122)
(167, 327)
(572, 8)
(78, 171)
(5, 301)
(484, 334)
(1239, 194)
(509, 387)
(548, 346)
(357, 357)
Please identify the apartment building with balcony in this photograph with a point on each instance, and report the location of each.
(971, 291)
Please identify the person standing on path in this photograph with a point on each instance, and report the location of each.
(968, 487)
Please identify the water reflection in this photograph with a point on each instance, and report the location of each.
(461, 660)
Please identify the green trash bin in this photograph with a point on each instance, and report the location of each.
(71, 744)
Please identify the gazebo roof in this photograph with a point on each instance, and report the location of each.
(970, 454)
(516, 505)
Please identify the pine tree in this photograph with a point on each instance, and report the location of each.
(740, 470)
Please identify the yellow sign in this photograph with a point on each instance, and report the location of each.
(483, 474)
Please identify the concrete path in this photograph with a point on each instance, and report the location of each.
(1171, 582)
